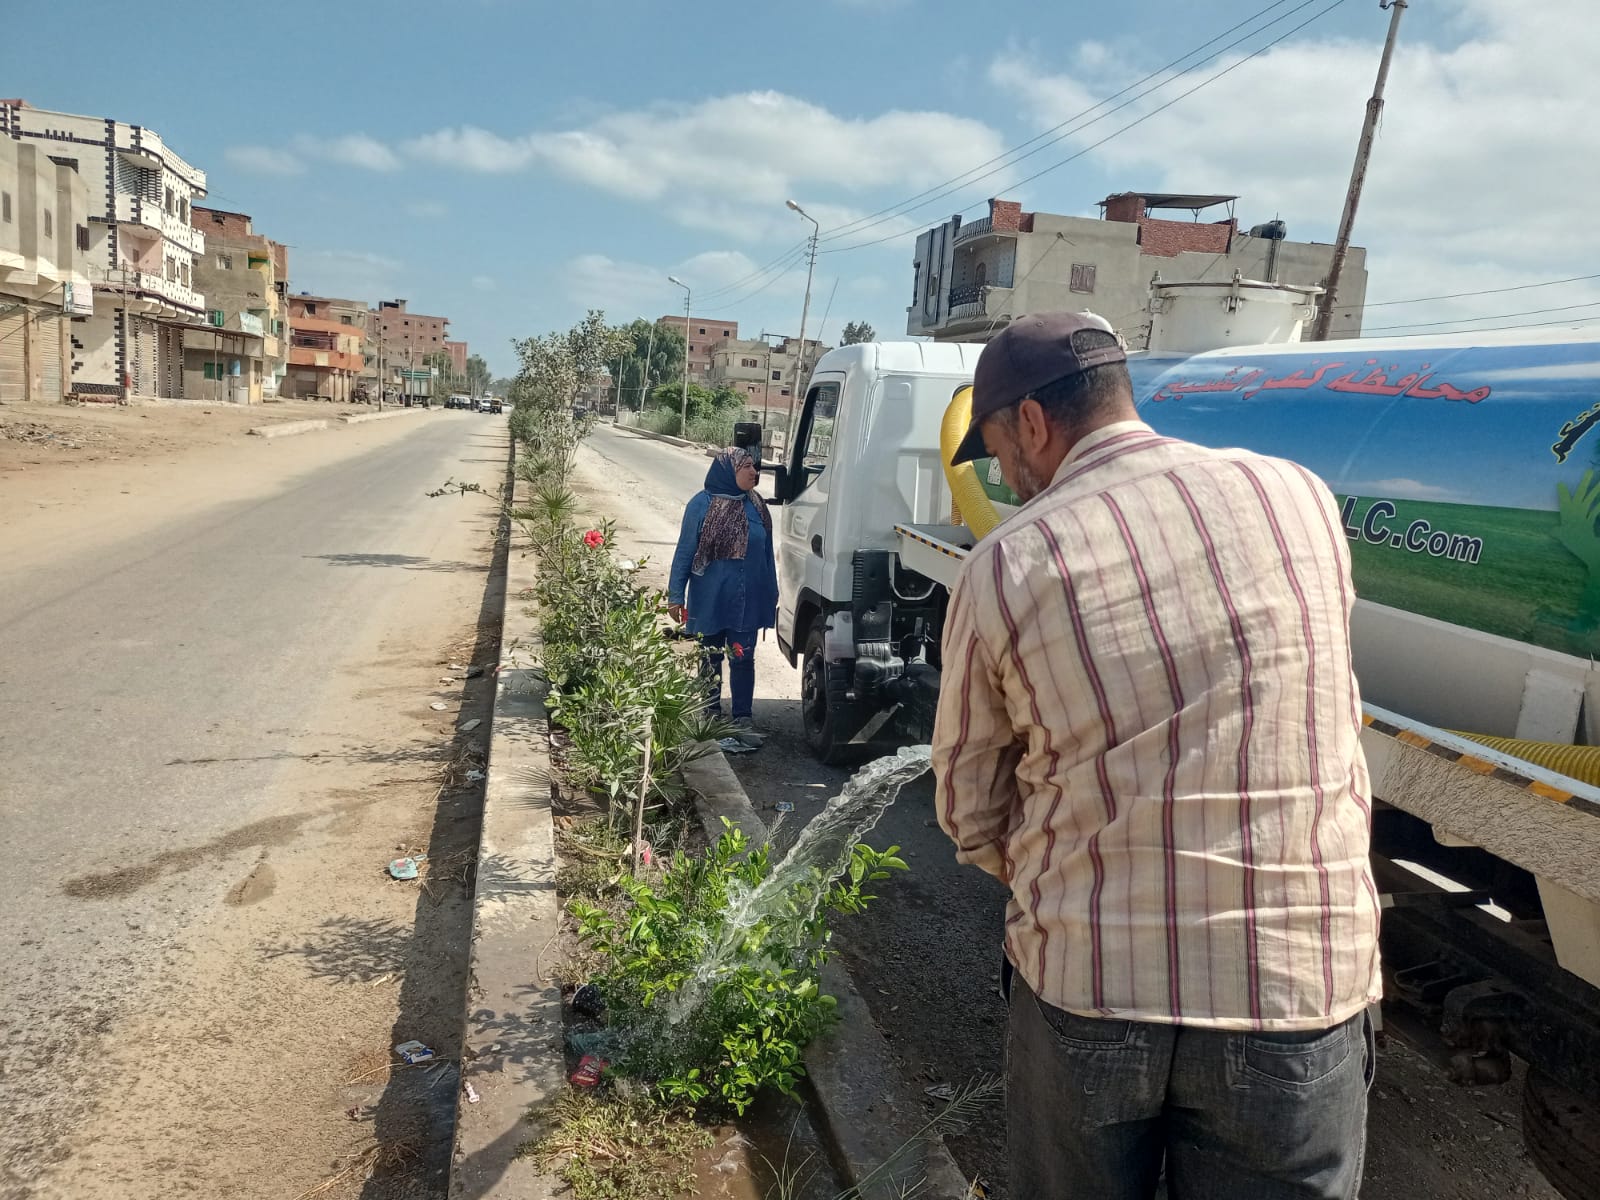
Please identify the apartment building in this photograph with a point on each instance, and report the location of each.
(458, 357)
(704, 336)
(970, 278)
(46, 247)
(327, 348)
(141, 248)
(407, 337)
(763, 370)
(241, 356)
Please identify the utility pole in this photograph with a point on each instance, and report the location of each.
(683, 419)
(805, 311)
(644, 375)
(1358, 174)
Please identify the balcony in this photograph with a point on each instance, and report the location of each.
(972, 230)
(147, 293)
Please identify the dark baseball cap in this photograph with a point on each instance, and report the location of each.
(1027, 355)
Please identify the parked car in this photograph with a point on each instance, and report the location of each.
(483, 404)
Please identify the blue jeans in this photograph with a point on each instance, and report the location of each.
(1094, 1108)
(739, 648)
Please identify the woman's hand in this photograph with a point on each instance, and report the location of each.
(678, 613)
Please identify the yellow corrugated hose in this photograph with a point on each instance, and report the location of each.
(973, 503)
(1575, 762)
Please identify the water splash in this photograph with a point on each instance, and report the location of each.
(823, 849)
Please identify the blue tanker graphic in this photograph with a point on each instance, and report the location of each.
(1468, 475)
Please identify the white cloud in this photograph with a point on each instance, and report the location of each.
(471, 149)
(1403, 489)
(1478, 179)
(350, 149)
(263, 160)
(483, 283)
(426, 209)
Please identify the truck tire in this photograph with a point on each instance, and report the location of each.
(1562, 1133)
(829, 717)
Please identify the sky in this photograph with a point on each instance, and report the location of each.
(511, 164)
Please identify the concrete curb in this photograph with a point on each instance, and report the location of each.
(360, 418)
(661, 437)
(512, 1049)
(288, 428)
(867, 1109)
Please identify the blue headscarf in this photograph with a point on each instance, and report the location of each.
(724, 533)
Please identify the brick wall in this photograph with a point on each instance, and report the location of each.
(218, 221)
(1168, 239)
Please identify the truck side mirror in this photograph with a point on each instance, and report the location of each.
(780, 485)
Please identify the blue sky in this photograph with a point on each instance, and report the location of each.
(509, 164)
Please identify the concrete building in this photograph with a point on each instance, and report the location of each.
(46, 246)
(241, 354)
(704, 336)
(407, 338)
(141, 249)
(764, 370)
(327, 348)
(972, 277)
(458, 357)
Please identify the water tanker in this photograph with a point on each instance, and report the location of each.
(1468, 476)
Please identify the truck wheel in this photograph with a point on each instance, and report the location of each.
(1562, 1133)
(830, 719)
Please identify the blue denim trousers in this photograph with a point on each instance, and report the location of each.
(1096, 1108)
(739, 648)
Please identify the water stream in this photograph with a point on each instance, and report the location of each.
(822, 850)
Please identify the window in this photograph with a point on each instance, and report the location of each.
(277, 328)
(1083, 277)
(83, 237)
(218, 317)
(933, 284)
(183, 208)
(776, 376)
(816, 430)
(346, 321)
(49, 224)
(311, 310)
(749, 362)
(224, 261)
(702, 329)
(5, 207)
(214, 370)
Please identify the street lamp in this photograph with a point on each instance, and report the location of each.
(683, 418)
(805, 311)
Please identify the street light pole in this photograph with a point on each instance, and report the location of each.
(683, 419)
(1358, 175)
(805, 311)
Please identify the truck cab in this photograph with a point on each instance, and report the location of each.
(849, 614)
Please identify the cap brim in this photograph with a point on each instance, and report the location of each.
(971, 447)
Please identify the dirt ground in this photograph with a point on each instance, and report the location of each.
(925, 957)
(261, 1064)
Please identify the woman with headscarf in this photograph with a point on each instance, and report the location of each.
(724, 584)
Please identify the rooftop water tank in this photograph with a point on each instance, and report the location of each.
(1187, 318)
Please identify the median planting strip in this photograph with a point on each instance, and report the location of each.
(624, 872)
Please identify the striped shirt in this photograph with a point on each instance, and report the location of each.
(1149, 730)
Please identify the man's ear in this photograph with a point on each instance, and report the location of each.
(1033, 430)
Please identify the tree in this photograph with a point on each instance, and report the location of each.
(857, 331)
(478, 376)
(555, 367)
(664, 347)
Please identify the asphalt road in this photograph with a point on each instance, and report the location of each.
(154, 690)
(926, 956)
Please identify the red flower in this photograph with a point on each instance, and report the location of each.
(738, 650)
(594, 538)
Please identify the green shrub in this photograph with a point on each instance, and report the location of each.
(761, 1005)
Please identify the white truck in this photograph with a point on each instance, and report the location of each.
(1470, 489)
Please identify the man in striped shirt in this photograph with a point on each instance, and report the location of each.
(1149, 730)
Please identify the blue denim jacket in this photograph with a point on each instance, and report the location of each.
(734, 595)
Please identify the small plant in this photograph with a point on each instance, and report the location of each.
(761, 1002)
(615, 1146)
